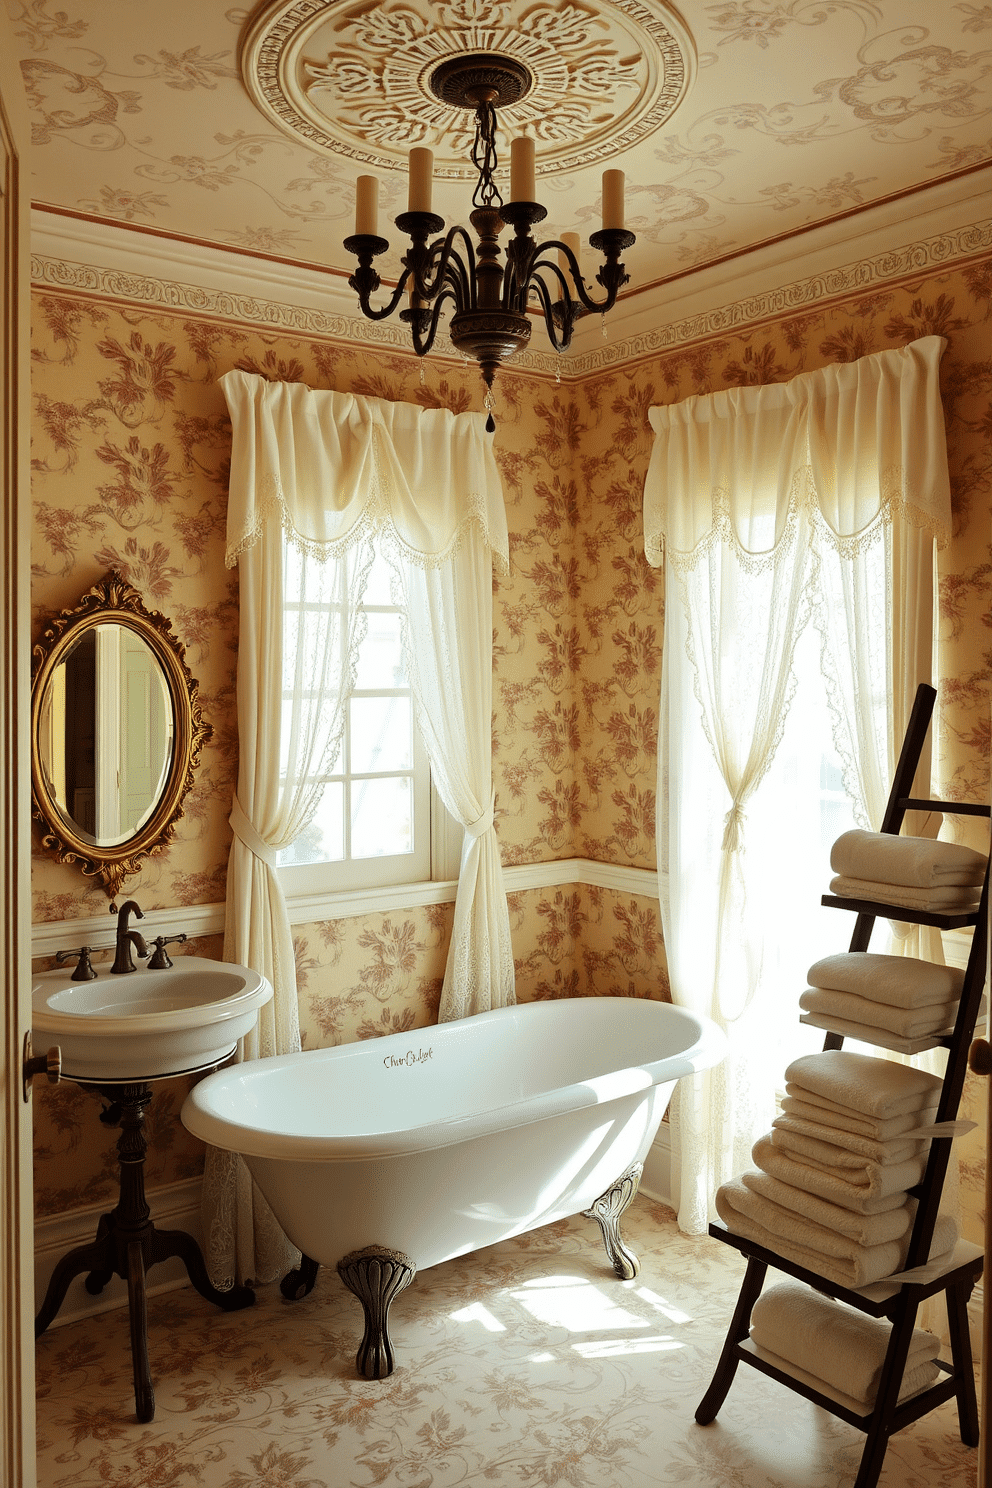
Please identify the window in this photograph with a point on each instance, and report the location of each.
(378, 818)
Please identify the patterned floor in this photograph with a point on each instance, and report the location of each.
(527, 1364)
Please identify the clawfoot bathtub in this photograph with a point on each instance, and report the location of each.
(394, 1154)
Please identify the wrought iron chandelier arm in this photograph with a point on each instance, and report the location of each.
(426, 321)
(450, 269)
(612, 275)
(365, 281)
(559, 315)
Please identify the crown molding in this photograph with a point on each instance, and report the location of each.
(913, 234)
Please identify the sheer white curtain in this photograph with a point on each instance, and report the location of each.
(317, 477)
(769, 505)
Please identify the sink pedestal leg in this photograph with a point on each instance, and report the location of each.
(127, 1244)
(376, 1275)
(607, 1212)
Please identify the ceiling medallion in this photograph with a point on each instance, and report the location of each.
(354, 80)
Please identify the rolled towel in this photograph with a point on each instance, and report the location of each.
(906, 1022)
(843, 1347)
(879, 1088)
(899, 981)
(885, 1189)
(827, 1144)
(899, 896)
(747, 1214)
(863, 1229)
(807, 1109)
(913, 1381)
(914, 862)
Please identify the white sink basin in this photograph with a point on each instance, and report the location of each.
(145, 1024)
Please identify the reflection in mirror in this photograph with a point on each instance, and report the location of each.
(116, 732)
(106, 734)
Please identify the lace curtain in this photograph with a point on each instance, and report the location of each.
(317, 478)
(817, 500)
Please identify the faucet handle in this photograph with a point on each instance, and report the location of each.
(160, 958)
(84, 967)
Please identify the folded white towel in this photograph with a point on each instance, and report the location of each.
(827, 1144)
(898, 896)
(843, 1347)
(900, 981)
(747, 1214)
(914, 862)
(885, 1189)
(863, 1229)
(863, 1084)
(806, 1108)
(906, 1022)
(913, 1381)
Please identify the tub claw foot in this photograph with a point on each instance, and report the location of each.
(376, 1275)
(299, 1282)
(607, 1211)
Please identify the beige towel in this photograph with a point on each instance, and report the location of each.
(886, 1188)
(913, 1381)
(838, 1148)
(848, 1264)
(906, 1022)
(863, 1229)
(843, 1347)
(806, 1109)
(914, 862)
(900, 981)
(864, 1084)
(856, 1167)
(897, 896)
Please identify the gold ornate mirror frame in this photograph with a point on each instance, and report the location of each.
(114, 601)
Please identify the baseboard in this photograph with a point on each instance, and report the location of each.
(176, 1206)
(656, 1180)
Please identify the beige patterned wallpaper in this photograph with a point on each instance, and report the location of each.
(130, 455)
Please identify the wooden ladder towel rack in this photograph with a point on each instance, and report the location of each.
(894, 1299)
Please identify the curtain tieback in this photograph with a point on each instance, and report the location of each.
(484, 823)
(246, 833)
(732, 823)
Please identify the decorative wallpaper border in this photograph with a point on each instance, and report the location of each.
(893, 264)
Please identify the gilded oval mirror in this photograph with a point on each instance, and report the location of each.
(116, 732)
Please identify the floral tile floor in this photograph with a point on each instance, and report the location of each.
(524, 1364)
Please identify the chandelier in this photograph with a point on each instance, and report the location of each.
(490, 300)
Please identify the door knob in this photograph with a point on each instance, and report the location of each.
(49, 1064)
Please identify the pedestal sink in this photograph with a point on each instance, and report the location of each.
(147, 1024)
(116, 1033)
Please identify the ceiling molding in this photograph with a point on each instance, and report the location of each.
(914, 235)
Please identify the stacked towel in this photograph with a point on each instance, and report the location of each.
(831, 1190)
(863, 993)
(836, 1343)
(911, 872)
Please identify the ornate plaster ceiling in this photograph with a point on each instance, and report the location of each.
(736, 122)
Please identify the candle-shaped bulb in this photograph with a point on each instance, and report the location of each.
(613, 198)
(522, 170)
(421, 179)
(573, 241)
(367, 206)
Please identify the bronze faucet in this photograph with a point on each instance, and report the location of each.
(126, 938)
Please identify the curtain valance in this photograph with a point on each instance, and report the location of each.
(762, 454)
(334, 465)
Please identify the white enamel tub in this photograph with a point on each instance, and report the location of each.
(437, 1142)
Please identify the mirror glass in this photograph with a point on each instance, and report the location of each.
(106, 734)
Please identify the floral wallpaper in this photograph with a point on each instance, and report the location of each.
(130, 467)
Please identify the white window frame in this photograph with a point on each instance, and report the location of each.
(437, 835)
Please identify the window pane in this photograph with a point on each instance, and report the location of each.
(380, 659)
(381, 736)
(323, 840)
(381, 817)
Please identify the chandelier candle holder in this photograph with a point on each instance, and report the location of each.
(490, 300)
